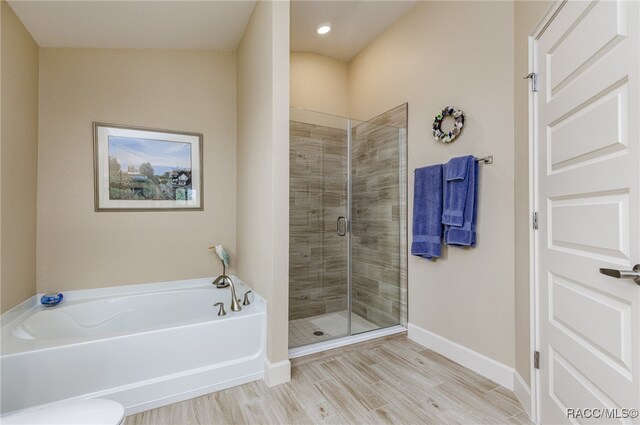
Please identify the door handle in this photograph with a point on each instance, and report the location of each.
(624, 274)
(341, 230)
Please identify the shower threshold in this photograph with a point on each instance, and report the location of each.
(318, 347)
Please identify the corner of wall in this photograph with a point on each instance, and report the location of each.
(263, 158)
(526, 15)
(522, 392)
(277, 373)
(479, 363)
(19, 64)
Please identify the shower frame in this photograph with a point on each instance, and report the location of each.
(402, 189)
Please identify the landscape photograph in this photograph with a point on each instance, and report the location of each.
(147, 169)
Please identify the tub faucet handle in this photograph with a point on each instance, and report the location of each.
(221, 312)
(246, 298)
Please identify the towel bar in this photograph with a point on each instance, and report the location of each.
(483, 160)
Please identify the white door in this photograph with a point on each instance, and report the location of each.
(587, 195)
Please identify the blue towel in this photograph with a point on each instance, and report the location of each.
(427, 212)
(455, 190)
(460, 209)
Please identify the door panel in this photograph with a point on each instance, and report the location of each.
(593, 131)
(570, 305)
(569, 388)
(602, 23)
(571, 220)
(588, 197)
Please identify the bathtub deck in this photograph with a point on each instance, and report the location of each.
(390, 380)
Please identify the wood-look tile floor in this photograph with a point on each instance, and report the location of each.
(390, 380)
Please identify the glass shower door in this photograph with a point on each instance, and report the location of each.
(347, 235)
(318, 230)
(378, 215)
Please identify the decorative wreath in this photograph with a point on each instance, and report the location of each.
(448, 137)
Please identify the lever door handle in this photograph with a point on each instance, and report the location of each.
(624, 274)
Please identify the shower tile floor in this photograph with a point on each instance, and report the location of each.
(332, 325)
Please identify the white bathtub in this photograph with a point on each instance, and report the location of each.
(141, 345)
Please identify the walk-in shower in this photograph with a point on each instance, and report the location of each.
(347, 236)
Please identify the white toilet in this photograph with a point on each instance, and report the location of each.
(77, 412)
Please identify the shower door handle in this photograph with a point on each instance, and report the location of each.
(341, 226)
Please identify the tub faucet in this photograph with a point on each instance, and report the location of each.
(235, 305)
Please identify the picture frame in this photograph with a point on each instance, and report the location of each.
(147, 169)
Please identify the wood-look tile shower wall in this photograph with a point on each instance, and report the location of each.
(317, 197)
(379, 218)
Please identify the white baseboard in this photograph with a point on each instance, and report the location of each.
(277, 373)
(523, 392)
(479, 363)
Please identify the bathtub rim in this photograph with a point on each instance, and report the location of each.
(13, 345)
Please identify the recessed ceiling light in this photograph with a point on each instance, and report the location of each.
(323, 29)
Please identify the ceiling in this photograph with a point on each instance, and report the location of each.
(163, 24)
(208, 24)
(354, 24)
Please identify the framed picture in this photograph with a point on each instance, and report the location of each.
(143, 169)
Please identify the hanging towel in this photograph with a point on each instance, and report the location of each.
(460, 201)
(427, 212)
(455, 190)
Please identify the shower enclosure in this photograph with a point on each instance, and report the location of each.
(347, 236)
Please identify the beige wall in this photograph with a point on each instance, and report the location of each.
(263, 167)
(468, 295)
(319, 83)
(19, 160)
(169, 89)
(526, 16)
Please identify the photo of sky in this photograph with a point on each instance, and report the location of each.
(163, 155)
